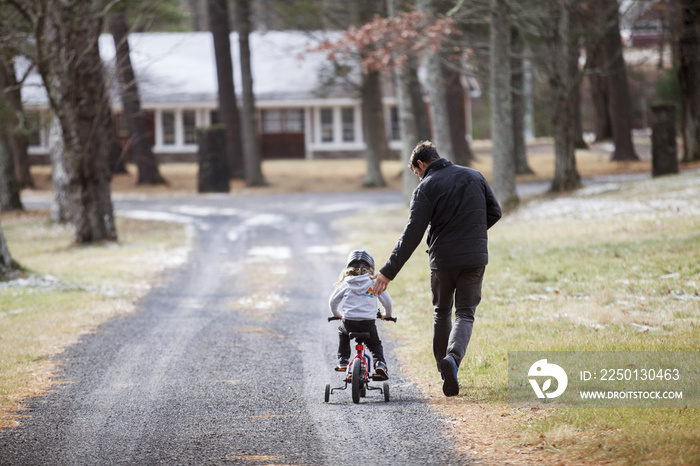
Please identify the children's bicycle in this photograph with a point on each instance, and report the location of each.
(357, 374)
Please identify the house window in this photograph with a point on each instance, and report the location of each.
(283, 121)
(295, 120)
(34, 125)
(272, 121)
(168, 128)
(395, 129)
(326, 125)
(34, 137)
(214, 118)
(189, 125)
(348, 119)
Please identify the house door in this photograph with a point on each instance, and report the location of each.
(282, 135)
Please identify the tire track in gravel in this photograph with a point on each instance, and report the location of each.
(226, 362)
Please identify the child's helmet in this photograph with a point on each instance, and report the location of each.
(360, 257)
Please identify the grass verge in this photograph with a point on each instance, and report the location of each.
(68, 291)
(613, 267)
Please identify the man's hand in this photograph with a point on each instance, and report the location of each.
(380, 284)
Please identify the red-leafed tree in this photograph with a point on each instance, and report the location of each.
(385, 43)
(390, 43)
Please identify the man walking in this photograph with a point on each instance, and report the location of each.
(459, 206)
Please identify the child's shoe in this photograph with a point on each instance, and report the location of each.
(381, 370)
(342, 364)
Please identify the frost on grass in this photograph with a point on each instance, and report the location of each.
(612, 285)
(637, 200)
(32, 281)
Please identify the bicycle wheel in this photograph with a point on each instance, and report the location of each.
(386, 391)
(327, 395)
(356, 380)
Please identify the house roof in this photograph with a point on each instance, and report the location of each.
(181, 67)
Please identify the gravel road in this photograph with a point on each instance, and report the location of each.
(226, 360)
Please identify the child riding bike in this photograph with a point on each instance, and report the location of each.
(355, 302)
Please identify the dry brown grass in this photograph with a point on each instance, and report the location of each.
(70, 291)
(347, 175)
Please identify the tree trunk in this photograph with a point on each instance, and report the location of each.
(9, 189)
(373, 125)
(139, 140)
(456, 111)
(566, 176)
(421, 112)
(408, 127)
(602, 128)
(574, 55)
(609, 86)
(15, 117)
(61, 201)
(228, 106)
(72, 71)
(689, 76)
(408, 124)
(436, 94)
(502, 106)
(251, 139)
(620, 106)
(7, 263)
(517, 83)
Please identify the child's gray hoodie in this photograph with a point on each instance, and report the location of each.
(354, 299)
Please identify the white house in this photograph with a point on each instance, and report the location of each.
(299, 115)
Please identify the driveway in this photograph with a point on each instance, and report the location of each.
(227, 358)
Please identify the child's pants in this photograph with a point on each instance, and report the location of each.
(374, 344)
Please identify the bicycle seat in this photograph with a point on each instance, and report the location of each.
(360, 337)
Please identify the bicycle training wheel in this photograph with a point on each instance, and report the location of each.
(386, 391)
(356, 380)
(327, 395)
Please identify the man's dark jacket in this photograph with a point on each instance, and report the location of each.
(459, 206)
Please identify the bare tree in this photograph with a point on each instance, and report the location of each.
(502, 105)
(435, 87)
(60, 178)
(602, 127)
(373, 123)
(69, 62)
(553, 28)
(15, 119)
(251, 138)
(139, 143)
(456, 111)
(689, 76)
(410, 111)
(619, 104)
(9, 189)
(8, 266)
(612, 105)
(228, 106)
(517, 83)
(408, 125)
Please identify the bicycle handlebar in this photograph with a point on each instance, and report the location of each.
(391, 319)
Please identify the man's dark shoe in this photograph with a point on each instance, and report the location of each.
(448, 369)
(342, 364)
(381, 370)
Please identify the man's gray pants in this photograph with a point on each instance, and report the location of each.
(461, 288)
